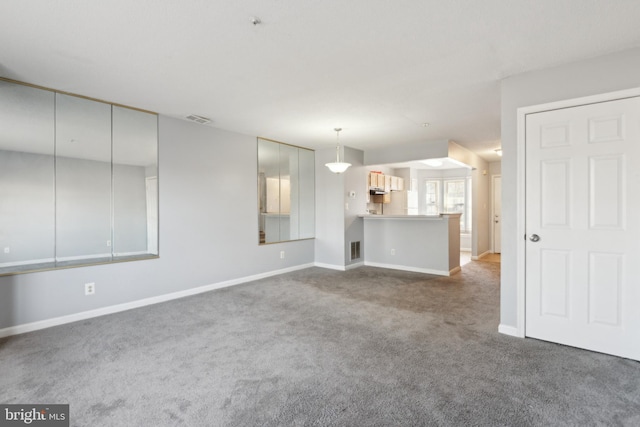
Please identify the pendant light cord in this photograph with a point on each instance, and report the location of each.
(338, 144)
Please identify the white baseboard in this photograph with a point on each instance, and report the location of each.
(43, 324)
(340, 267)
(331, 266)
(465, 249)
(509, 330)
(482, 255)
(354, 265)
(406, 268)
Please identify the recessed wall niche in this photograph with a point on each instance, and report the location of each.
(78, 180)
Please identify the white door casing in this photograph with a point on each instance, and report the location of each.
(496, 186)
(582, 176)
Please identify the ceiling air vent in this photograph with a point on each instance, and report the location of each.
(198, 119)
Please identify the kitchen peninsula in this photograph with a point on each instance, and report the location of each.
(421, 243)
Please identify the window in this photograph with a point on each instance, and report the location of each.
(433, 197)
(451, 195)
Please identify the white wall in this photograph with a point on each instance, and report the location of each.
(330, 215)
(495, 168)
(397, 153)
(208, 233)
(603, 74)
(355, 180)
(337, 223)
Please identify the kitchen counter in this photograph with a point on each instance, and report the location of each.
(439, 217)
(422, 243)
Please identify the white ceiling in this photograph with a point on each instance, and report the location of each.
(376, 68)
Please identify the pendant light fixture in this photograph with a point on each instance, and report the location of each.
(338, 166)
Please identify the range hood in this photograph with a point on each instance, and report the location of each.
(375, 191)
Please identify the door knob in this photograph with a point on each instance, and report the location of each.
(534, 238)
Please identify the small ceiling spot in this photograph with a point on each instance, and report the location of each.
(198, 119)
(255, 20)
(425, 124)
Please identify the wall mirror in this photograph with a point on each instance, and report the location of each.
(286, 192)
(78, 181)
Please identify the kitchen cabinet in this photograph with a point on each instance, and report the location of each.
(376, 180)
(387, 183)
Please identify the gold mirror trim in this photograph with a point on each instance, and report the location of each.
(75, 94)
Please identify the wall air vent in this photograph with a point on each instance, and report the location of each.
(198, 119)
(355, 250)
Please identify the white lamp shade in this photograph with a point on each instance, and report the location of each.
(338, 167)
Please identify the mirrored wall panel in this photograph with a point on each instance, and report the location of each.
(78, 181)
(135, 183)
(27, 184)
(83, 180)
(286, 192)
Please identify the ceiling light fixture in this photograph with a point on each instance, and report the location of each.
(434, 163)
(498, 151)
(338, 166)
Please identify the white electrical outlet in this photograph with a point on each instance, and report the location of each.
(7, 250)
(393, 251)
(89, 288)
(281, 254)
(108, 242)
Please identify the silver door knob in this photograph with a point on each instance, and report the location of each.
(534, 238)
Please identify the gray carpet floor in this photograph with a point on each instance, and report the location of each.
(367, 347)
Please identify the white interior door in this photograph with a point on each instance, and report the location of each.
(582, 225)
(497, 214)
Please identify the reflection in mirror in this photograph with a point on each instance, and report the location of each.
(135, 183)
(83, 181)
(26, 178)
(306, 186)
(286, 192)
(78, 181)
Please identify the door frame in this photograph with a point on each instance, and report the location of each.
(521, 199)
(493, 212)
